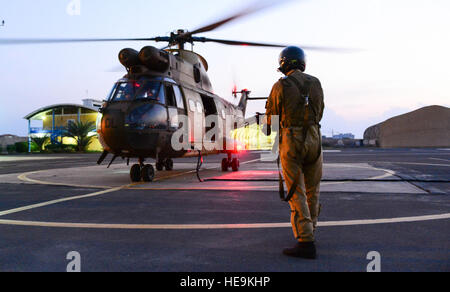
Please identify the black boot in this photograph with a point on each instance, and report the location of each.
(306, 250)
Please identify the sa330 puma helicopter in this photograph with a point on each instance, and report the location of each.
(144, 109)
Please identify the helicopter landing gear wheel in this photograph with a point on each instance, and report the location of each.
(160, 165)
(148, 173)
(225, 165)
(135, 173)
(168, 164)
(235, 164)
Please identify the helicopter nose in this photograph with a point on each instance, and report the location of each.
(113, 130)
(137, 130)
(147, 116)
(145, 125)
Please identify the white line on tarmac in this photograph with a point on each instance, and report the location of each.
(219, 226)
(21, 209)
(388, 173)
(426, 164)
(31, 158)
(440, 159)
(24, 177)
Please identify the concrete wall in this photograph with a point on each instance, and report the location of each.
(426, 127)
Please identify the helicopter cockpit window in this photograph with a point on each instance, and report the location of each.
(179, 97)
(170, 94)
(124, 91)
(142, 89)
(150, 90)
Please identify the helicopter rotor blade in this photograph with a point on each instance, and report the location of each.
(56, 41)
(252, 8)
(239, 43)
(268, 45)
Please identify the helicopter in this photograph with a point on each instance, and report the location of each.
(146, 106)
(167, 92)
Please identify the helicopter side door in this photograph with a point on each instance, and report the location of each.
(196, 115)
(175, 105)
(222, 113)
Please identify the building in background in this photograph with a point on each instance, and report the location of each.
(426, 127)
(53, 120)
(344, 136)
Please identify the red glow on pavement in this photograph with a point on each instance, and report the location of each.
(248, 174)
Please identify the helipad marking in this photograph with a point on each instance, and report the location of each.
(24, 177)
(440, 159)
(31, 158)
(219, 226)
(426, 164)
(25, 208)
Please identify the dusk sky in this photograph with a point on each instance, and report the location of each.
(403, 66)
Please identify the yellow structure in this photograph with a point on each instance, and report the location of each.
(253, 138)
(55, 119)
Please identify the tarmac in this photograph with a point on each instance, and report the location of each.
(394, 202)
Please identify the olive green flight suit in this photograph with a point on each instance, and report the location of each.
(299, 157)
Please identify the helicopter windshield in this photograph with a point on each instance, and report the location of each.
(138, 90)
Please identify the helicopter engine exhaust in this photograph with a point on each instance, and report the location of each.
(154, 59)
(129, 58)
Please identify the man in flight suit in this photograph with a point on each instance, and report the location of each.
(298, 100)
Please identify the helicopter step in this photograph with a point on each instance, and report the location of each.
(229, 162)
(142, 172)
